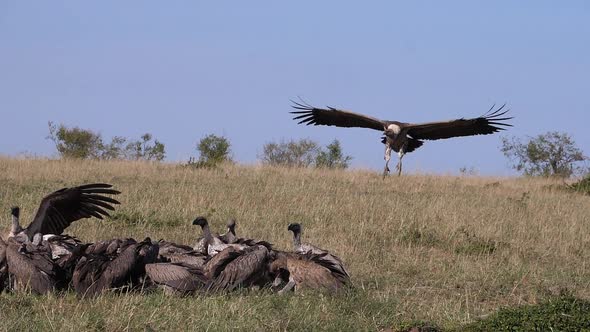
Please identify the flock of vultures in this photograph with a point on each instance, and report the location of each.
(41, 259)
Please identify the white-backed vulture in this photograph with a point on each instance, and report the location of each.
(31, 266)
(304, 248)
(178, 253)
(176, 277)
(249, 268)
(113, 264)
(213, 243)
(230, 235)
(306, 271)
(403, 137)
(60, 208)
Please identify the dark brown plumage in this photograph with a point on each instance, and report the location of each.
(307, 271)
(113, 264)
(31, 266)
(178, 253)
(403, 137)
(60, 208)
(305, 248)
(176, 277)
(3, 266)
(248, 268)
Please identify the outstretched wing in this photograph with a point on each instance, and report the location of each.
(334, 117)
(488, 123)
(59, 209)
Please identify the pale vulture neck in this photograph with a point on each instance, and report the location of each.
(297, 238)
(15, 229)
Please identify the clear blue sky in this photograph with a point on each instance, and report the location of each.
(184, 69)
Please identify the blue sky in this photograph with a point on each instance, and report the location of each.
(190, 68)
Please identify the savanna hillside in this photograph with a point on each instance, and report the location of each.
(439, 249)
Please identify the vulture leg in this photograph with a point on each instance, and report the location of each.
(398, 167)
(387, 158)
(288, 286)
(401, 153)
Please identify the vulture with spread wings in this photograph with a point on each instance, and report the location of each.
(403, 137)
(61, 208)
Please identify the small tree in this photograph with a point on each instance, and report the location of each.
(300, 153)
(332, 157)
(84, 144)
(213, 150)
(144, 150)
(549, 154)
(75, 142)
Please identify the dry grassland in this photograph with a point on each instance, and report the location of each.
(440, 249)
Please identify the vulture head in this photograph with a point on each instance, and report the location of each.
(201, 221)
(295, 228)
(278, 269)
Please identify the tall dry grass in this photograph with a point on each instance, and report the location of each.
(433, 248)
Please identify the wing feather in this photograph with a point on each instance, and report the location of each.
(310, 115)
(488, 123)
(62, 207)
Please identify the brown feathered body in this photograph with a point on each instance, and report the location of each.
(176, 278)
(31, 266)
(308, 271)
(113, 264)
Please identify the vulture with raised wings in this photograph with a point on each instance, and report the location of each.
(403, 137)
(305, 248)
(61, 208)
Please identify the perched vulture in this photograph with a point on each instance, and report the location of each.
(307, 271)
(230, 235)
(248, 268)
(304, 248)
(403, 137)
(176, 277)
(113, 264)
(213, 243)
(177, 253)
(31, 265)
(65, 253)
(59, 209)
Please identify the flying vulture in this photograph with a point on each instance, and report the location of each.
(403, 137)
(59, 209)
(305, 248)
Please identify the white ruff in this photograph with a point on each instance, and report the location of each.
(395, 128)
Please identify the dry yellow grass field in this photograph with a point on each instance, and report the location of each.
(440, 249)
